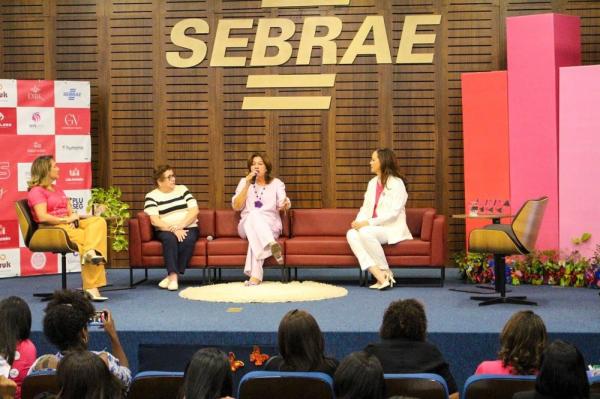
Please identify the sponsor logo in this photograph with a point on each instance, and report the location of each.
(4, 263)
(2, 231)
(36, 148)
(36, 117)
(71, 120)
(38, 260)
(74, 176)
(72, 94)
(77, 203)
(34, 94)
(74, 172)
(4, 124)
(3, 94)
(72, 147)
(4, 170)
(2, 192)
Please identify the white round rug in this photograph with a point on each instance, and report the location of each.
(267, 292)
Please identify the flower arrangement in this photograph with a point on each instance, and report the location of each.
(567, 269)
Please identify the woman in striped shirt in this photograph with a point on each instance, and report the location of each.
(173, 212)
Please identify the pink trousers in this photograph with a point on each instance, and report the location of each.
(260, 234)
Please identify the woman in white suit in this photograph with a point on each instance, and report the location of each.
(381, 219)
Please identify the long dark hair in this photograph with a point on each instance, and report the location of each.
(207, 376)
(359, 376)
(388, 165)
(562, 374)
(84, 375)
(522, 341)
(15, 325)
(300, 342)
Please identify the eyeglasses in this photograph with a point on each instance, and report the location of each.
(170, 177)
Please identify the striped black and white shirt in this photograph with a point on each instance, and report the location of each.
(170, 207)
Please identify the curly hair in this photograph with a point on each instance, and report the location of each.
(404, 319)
(522, 342)
(67, 315)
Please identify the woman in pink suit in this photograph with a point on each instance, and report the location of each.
(260, 197)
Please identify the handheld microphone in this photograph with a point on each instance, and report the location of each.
(254, 177)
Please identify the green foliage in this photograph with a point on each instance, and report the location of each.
(115, 211)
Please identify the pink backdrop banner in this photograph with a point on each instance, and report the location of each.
(579, 173)
(537, 46)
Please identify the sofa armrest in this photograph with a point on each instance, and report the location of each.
(427, 224)
(145, 227)
(135, 243)
(439, 241)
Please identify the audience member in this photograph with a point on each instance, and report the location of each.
(66, 327)
(522, 341)
(260, 196)
(208, 376)
(562, 375)
(403, 347)
(82, 374)
(17, 352)
(173, 212)
(359, 376)
(301, 345)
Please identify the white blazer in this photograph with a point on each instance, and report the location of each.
(390, 209)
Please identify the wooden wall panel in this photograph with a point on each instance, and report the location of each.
(146, 112)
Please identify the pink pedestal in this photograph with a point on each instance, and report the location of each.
(485, 138)
(579, 171)
(537, 45)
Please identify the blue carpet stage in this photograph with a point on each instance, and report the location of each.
(148, 319)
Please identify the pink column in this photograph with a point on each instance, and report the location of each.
(579, 172)
(485, 139)
(537, 45)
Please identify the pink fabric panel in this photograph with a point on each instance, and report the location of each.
(579, 139)
(537, 45)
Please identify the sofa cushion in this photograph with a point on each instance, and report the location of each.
(232, 246)
(318, 245)
(206, 224)
(322, 222)
(155, 248)
(408, 247)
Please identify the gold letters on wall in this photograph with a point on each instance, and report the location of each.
(281, 50)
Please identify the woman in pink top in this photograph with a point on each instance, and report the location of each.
(381, 219)
(260, 197)
(17, 352)
(50, 205)
(522, 342)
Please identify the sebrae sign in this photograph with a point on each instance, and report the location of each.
(272, 48)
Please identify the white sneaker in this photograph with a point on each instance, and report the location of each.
(173, 286)
(164, 283)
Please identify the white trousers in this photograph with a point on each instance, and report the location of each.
(366, 245)
(259, 234)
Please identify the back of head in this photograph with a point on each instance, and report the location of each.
(15, 325)
(522, 341)
(359, 376)
(66, 317)
(208, 375)
(84, 375)
(404, 319)
(300, 341)
(562, 374)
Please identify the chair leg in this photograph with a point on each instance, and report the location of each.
(46, 296)
(442, 275)
(500, 285)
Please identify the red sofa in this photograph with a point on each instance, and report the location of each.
(311, 238)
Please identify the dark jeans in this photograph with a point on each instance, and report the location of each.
(177, 254)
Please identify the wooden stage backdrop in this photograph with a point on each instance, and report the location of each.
(146, 112)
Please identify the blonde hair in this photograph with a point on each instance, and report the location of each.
(40, 171)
